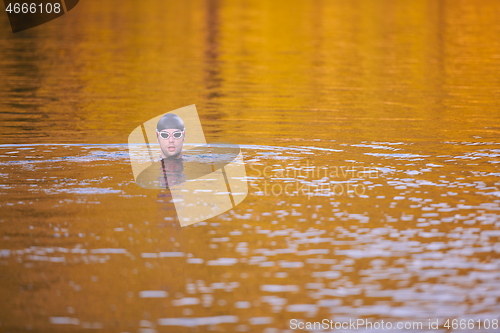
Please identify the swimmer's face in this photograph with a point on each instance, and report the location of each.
(171, 143)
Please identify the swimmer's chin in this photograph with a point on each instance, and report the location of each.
(171, 157)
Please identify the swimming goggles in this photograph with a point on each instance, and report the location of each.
(176, 134)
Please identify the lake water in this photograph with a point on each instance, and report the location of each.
(370, 133)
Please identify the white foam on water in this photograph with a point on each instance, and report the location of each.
(153, 294)
(199, 321)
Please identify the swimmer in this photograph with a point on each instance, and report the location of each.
(170, 132)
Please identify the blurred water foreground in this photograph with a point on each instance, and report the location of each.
(370, 134)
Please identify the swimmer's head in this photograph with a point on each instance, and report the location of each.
(170, 133)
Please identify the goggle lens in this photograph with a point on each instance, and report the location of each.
(166, 135)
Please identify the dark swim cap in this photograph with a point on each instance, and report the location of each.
(170, 121)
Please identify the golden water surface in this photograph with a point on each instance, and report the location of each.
(370, 132)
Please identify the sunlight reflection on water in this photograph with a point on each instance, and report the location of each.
(341, 257)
